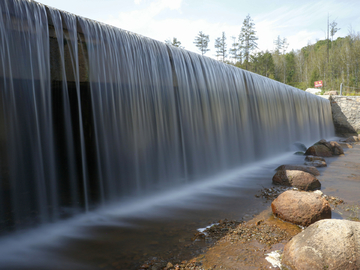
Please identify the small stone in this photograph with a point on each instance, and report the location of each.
(169, 265)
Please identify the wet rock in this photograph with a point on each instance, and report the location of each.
(295, 178)
(352, 139)
(299, 153)
(313, 158)
(316, 163)
(301, 208)
(308, 169)
(327, 244)
(345, 145)
(336, 148)
(325, 149)
(319, 150)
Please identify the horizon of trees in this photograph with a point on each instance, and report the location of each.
(334, 61)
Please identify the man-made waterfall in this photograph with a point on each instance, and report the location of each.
(92, 114)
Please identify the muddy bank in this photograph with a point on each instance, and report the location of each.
(243, 246)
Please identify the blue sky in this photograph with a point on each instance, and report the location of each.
(301, 22)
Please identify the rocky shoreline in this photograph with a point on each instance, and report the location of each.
(260, 242)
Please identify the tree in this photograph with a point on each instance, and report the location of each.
(281, 46)
(247, 38)
(333, 29)
(235, 51)
(278, 44)
(202, 42)
(175, 42)
(220, 46)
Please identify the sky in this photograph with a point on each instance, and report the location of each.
(300, 22)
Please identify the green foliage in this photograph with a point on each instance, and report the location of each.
(202, 42)
(235, 51)
(220, 46)
(332, 61)
(314, 77)
(247, 38)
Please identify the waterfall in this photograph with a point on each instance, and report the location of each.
(93, 114)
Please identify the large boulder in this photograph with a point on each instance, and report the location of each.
(328, 244)
(319, 150)
(295, 178)
(325, 149)
(301, 208)
(308, 169)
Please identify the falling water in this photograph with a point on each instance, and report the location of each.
(92, 114)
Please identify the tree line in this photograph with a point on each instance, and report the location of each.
(334, 61)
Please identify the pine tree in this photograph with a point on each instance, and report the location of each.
(247, 38)
(333, 29)
(235, 51)
(220, 46)
(202, 42)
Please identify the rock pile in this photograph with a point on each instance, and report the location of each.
(326, 243)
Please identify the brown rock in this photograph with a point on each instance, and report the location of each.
(308, 169)
(301, 208)
(319, 150)
(336, 148)
(295, 178)
(352, 139)
(345, 145)
(328, 244)
(325, 149)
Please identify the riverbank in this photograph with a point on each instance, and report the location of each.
(244, 246)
